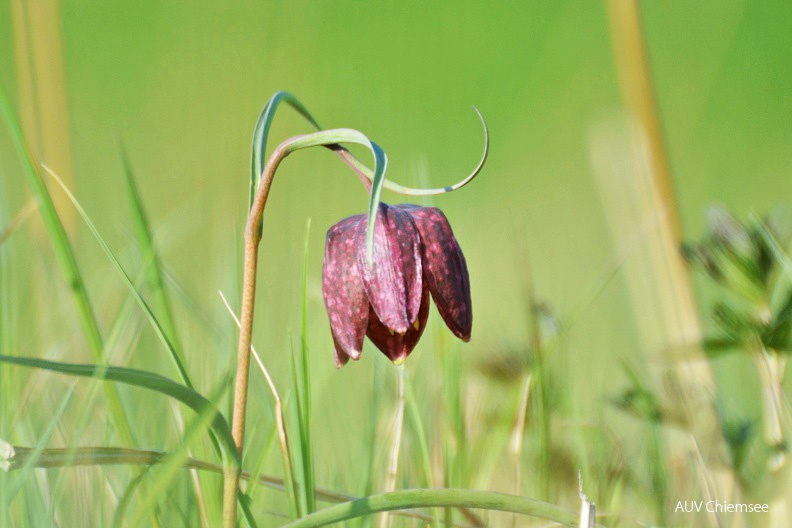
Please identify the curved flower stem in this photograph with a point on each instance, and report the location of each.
(427, 498)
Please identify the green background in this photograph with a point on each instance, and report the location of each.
(180, 84)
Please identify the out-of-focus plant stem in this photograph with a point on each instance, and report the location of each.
(669, 294)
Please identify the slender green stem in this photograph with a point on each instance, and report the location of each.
(428, 498)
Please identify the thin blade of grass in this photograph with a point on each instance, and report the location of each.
(420, 439)
(43, 441)
(153, 268)
(108, 456)
(151, 259)
(146, 380)
(300, 496)
(153, 320)
(170, 466)
(428, 498)
(55, 230)
(303, 372)
(67, 261)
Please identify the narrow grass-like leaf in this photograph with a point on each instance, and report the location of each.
(173, 462)
(43, 441)
(153, 320)
(67, 261)
(126, 498)
(56, 232)
(173, 354)
(304, 389)
(153, 268)
(428, 498)
(151, 260)
(244, 506)
(420, 436)
(298, 504)
(146, 380)
(110, 456)
(279, 433)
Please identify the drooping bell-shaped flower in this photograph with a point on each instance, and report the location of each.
(415, 255)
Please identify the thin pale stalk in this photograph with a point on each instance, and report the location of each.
(665, 306)
(280, 421)
(393, 460)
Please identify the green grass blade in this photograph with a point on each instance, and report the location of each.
(295, 474)
(153, 268)
(152, 263)
(428, 498)
(170, 465)
(43, 441)
(247, 515)
(56, 232)
(172, 352)
(304, 390)
(146, 380)
(420, 439)
(67, 262)
(107, 456)
(126, 498)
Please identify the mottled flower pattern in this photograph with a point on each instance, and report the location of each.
(415, 255)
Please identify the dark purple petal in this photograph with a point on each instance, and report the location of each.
(444, 268)
(395, 345)
(341, 357)
(394, 283)
(342, 289)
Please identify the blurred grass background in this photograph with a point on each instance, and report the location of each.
(180, 85)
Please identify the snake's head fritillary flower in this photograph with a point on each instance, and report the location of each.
(415, 255)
